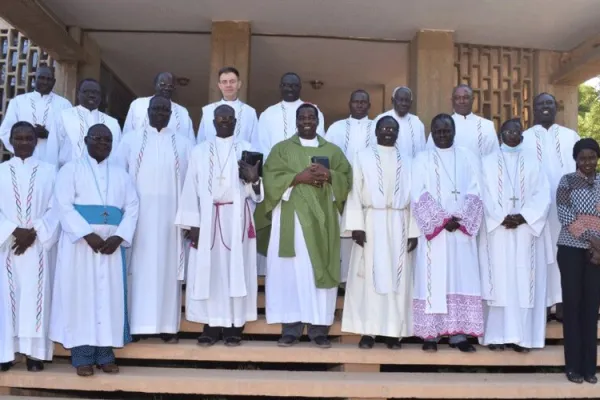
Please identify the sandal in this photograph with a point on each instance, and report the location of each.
(85, 370)
(206, 341)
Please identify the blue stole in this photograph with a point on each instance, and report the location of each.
(109, 215)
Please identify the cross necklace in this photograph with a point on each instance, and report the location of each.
(105, 214)
(221, 177)
(512, 180)
(455, 192)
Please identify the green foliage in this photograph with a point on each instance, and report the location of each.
(589, 112)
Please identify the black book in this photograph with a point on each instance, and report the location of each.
(324, 161)
(251, 157)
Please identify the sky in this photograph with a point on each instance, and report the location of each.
(595, 82)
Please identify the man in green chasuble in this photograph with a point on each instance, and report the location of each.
(298, 230)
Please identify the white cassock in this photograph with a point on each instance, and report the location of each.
(476, 134)
(36, 109)
(221, 278)
(447, 289)
(278, 123)
(26, 280)
(351, 135)
(554, 151)
(246, 127)
(68, 144)
(157, 163)
(378, 297)
(137, 118)
(292, 295)
(412, 137)
(514, 261)
(89, 304)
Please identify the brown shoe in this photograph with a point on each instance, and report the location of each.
(111, 368)
(85, 370)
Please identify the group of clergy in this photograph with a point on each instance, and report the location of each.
(452, 236)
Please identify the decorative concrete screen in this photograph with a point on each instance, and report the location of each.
(501, 78)
(19, 59)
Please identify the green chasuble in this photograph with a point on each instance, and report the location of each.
(316, 209)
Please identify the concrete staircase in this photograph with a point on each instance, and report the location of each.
(151, 369)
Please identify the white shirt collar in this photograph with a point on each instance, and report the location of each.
(164, 131)
(358, 121)
(296, 103)
(87, 112)
(230, 102)
(541, 127)
(28, 161)
(93, 162)
(37, 95)
(469, 116)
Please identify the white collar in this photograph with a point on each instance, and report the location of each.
(38, 95)
(86, 111)
(296, 103)
(469, 116)
(93, 162)
(541, 127)
(28, 161)
(230, 102)
(358, 121)
(164, 131)
(394, 114)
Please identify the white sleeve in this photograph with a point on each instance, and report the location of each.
(188, 210)
(72, 223)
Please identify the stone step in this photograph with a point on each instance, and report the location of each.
(269, 352)
(261, 301)
(260, 327)
(317, 384)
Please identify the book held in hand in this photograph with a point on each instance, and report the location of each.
(251, 157)
(324, 161)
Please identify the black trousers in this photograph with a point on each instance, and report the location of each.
(580, 282)
(216, 331)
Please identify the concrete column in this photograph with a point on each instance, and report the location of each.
(230, 46)
(546, 63)
(69, 73)
(432, 73)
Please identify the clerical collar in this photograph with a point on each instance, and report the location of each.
(38, 94)
(363, 119)
(541, 126)
(386, 148)
(291, 103)
(468, 116)
(451, 148)
(19, 161)
(82, 108)
(164, 131)
(224, 101)
(395, 114)
(507, 149)
(227, 139)
(93, 161)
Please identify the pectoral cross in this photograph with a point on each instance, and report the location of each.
(514, 200)
(455, 193)
(105, 214)
(220, 179)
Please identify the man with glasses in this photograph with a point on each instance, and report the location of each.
(164, 86)
(69, 143)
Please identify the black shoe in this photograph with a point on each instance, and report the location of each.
(5, 366)
(232, 341)
(170, 338)
(366, 342)
(464, 346)
(430, 347)
(136, 338)
(574, 377)
(393, 343)
(520, 349)
(591, 379)
(34, 365)
(496, 347)
(206, 341)
(287, 341)
(322, 342)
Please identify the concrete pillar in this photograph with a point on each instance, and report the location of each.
(69, 73)
(546, 63)
(432, 73)
(230, 46)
